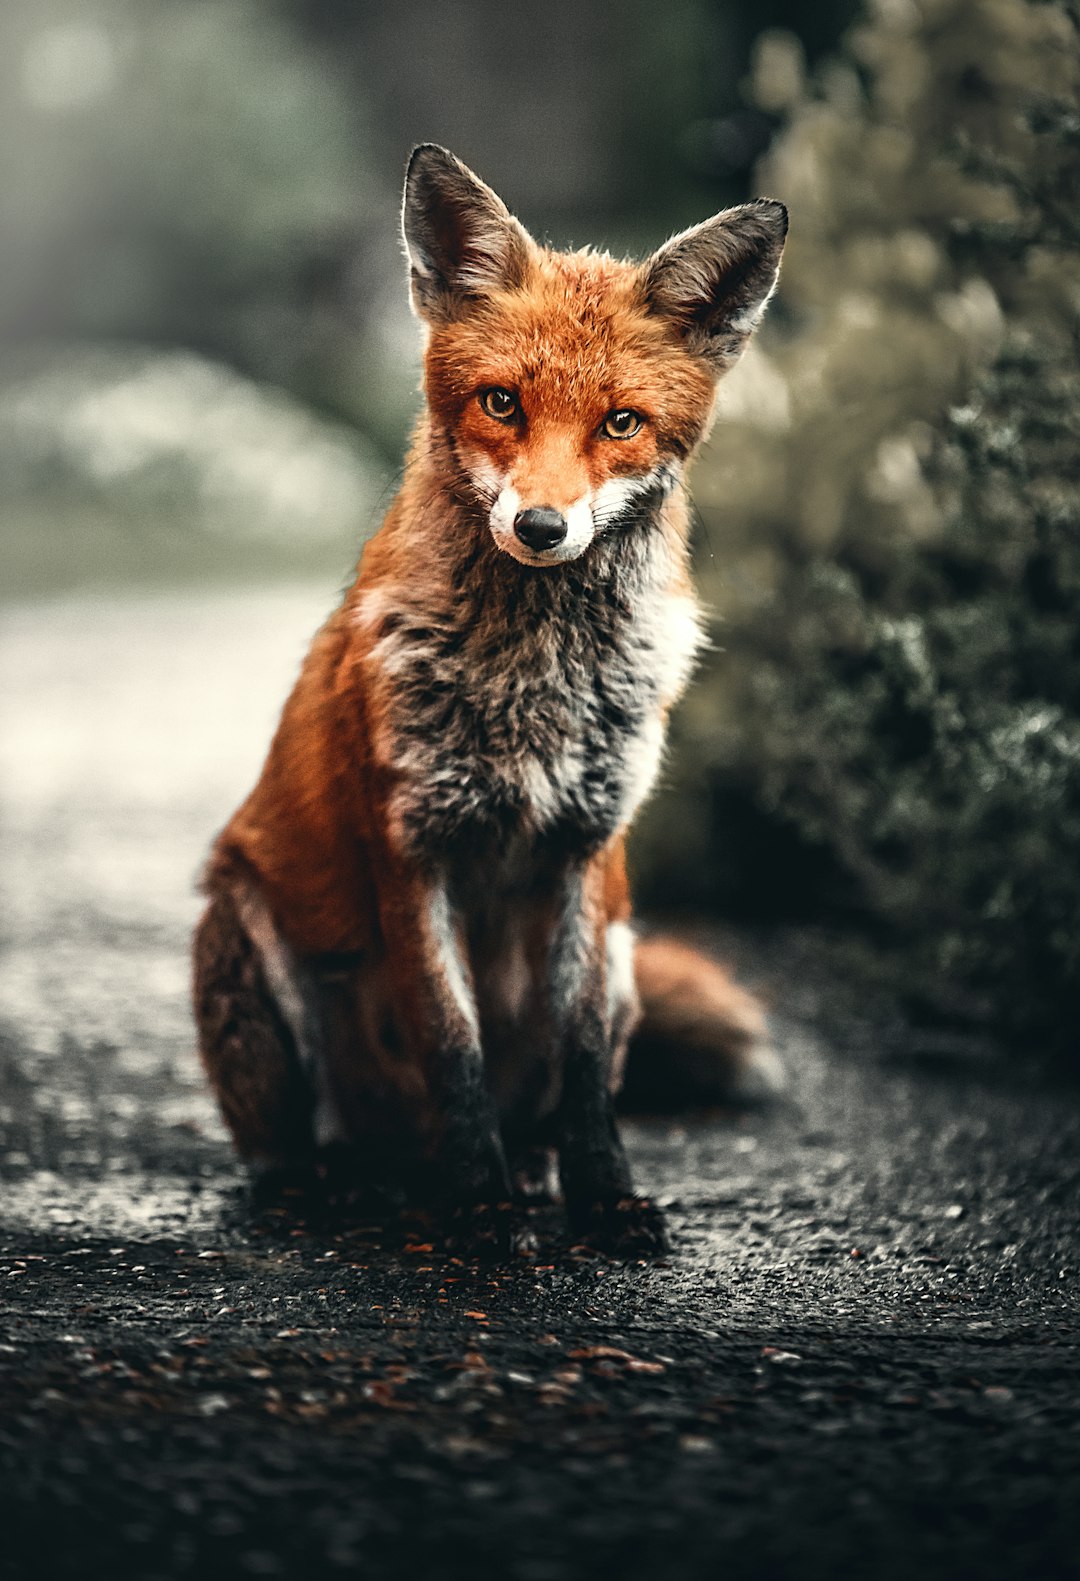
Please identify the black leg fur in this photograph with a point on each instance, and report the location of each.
(600, 1200)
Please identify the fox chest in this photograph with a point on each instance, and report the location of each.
(557, 732)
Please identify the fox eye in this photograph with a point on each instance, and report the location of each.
(500, 404)
(622, 423)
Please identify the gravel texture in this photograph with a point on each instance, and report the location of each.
(861, 1357)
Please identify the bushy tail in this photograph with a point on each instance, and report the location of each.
(701, 1040)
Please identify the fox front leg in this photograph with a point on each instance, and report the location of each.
(595, 1174)
(436, 1009)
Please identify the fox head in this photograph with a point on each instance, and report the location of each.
(573, 386)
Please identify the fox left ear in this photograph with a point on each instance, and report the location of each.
(714, 280)
(461, 239)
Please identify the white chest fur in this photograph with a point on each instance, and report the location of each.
(547, 715)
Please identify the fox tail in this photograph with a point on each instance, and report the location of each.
(701, 1039)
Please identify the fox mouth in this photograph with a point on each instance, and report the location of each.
(510, 544)
(540, 535)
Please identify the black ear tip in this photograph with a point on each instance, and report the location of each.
(776, 213)
(429, 156)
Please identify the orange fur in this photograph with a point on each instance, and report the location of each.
(432, 860)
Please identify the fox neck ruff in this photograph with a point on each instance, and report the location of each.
(517, 703)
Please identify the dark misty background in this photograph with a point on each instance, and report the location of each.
(225, 177)
(208, 372)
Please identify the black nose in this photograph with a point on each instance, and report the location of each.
(540, 527)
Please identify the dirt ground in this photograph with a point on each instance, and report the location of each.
(860, 1359)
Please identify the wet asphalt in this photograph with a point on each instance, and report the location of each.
(860, 1359)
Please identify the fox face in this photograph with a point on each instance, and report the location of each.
(573, 387)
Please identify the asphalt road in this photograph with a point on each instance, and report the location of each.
(861, 1358)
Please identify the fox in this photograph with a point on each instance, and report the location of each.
(418, 943)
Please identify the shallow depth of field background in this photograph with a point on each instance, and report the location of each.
(208, 373)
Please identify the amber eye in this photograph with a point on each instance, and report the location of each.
(499, 404)
(621, 423)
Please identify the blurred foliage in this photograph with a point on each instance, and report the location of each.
(165, 464)
(892, 500)
(187, 175)
(192, 190)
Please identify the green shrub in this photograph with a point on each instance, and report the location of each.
(893, 512)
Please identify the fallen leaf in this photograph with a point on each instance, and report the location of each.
(590, 1352)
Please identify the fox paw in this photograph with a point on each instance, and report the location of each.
(495, 1230)
(629, 1227)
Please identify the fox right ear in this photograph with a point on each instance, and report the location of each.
(460, 238)
(713, 282)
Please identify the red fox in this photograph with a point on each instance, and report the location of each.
(418, 939)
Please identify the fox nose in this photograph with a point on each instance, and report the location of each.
(541, 527)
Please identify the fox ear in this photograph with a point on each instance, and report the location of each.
(714, 281)
(460, 238)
